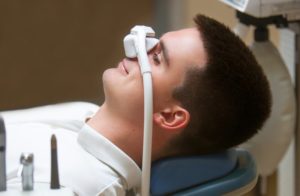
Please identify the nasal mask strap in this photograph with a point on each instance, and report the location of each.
(140, 38)
(137, 44)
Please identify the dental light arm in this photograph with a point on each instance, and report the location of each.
(137, 44)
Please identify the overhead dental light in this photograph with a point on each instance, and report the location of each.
(137, 44)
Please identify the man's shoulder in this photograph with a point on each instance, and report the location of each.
(54, 112)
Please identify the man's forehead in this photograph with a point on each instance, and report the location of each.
(185, 40)
(180, 32)
(177, 36)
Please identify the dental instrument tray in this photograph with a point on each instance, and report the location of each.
(26, 161)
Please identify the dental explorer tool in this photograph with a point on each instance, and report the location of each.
(26, 161)
(54, 184)
(135, 44)
(2, 155)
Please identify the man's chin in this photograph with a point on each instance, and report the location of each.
(107, 75)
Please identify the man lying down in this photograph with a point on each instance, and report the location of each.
(209, 95)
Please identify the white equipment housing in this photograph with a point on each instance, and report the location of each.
(266, 8)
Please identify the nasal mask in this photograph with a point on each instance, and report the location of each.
(140, 40)
(136, 44)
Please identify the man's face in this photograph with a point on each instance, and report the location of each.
(176, 52)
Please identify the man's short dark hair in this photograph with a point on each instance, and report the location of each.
(229, 99)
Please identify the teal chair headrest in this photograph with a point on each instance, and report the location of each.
(174, 174)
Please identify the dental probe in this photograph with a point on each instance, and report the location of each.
(54, 184)
(2, 155)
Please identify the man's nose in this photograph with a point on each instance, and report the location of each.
(136, 61)
(131, 48)
(132, 61)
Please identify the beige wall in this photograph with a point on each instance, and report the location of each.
(221, 12)
(53, 51)
(212, 8)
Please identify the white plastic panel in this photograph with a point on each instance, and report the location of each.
(286, 169)
(261, 8)
(237, 4)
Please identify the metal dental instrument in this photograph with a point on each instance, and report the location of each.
(26, 161)
(54, 184)
(2, 155)
(136, 44)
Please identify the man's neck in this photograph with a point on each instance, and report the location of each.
(127, 136)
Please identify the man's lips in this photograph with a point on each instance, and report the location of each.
(122, 66)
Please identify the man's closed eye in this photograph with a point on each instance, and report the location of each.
(156, 58)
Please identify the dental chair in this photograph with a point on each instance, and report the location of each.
(232, 172)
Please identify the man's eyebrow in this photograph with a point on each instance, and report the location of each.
(164, 52)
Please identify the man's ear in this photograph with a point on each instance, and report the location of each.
(172, 118)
